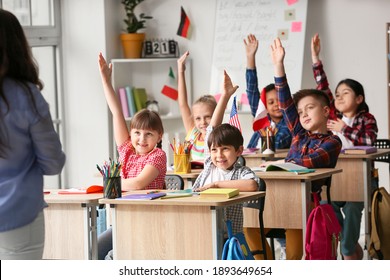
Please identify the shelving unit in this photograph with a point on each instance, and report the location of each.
(388, 72)
(152, 74)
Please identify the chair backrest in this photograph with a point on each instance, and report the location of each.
(241, 160)
(174, 182)
(383, 144)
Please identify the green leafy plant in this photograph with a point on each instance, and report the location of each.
(133, 23)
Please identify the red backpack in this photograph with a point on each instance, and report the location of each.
(322, 232)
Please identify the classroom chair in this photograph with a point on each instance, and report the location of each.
(174, 182)
(241, 160)
(259, 204)
(383, 144)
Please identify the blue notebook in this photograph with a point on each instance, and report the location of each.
(147, 196)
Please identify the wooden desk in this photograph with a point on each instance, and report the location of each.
(354, 183)
(288, 199)
(176, 229)
(70, 226)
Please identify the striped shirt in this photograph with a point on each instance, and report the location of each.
(197, 150)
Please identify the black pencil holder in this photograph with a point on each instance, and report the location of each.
(112, 187)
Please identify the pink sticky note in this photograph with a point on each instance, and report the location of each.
(291, 2)
(296, 26)
(217, 97)
(244, 99)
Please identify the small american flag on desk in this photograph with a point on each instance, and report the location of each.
(234, 121)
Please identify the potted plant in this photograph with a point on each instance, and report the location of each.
(132, 40)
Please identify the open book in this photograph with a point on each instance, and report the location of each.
(90, 189)
(285, 166)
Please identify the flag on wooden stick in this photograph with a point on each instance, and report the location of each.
(261, 118)
(234, 121)
(184, 26)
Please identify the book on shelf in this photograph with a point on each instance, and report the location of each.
(140, 98)
(216, 193)
(285, 166)
(123, 100)
(145, 196)
(90, 189)
(130, 101)
(360, 150)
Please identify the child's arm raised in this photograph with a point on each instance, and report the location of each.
(121, 134)
(277, 54)
(251, 45)
(185, 110)
(252, 87)
(319, 73)
(227, 91)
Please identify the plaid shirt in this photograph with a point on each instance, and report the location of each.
(233, 213)
(364, 129)
(313, 150)
(283, 136)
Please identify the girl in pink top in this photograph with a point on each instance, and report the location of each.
(143, 160)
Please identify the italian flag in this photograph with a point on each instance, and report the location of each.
(170, 88)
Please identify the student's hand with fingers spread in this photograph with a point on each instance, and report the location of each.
(105, 70)
(251, 45)
(228, 88)
(336, 125)
(315, 48)
(277, 55)
(181, 62)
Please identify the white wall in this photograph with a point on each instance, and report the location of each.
(353, 45)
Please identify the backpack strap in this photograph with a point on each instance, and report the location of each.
(229, 228)
(375, 242)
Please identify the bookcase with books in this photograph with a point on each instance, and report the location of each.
(146, 78)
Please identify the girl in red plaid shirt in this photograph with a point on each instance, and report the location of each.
(351, 121)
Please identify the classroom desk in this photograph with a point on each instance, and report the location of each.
(288, 199)
(354, 183)
(70, 226)
(176, 229)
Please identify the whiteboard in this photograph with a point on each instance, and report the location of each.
(266, 19)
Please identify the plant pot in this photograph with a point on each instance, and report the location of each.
(132, 44)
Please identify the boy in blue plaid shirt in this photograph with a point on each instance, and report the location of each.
(313, 146)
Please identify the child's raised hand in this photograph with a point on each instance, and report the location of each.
(277, 51)
(251, 45)
(105, 70)
(181, 62)
(228, 88)
(315, 48)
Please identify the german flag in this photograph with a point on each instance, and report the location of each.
(184, 24)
